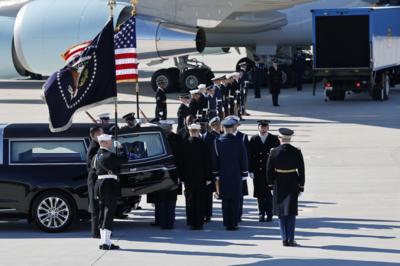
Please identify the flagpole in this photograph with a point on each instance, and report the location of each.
(111, 5)
(134, 4)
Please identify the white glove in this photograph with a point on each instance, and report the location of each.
(117, 144)
(251, 175)
(208, 183)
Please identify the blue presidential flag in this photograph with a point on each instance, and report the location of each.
(87, 81)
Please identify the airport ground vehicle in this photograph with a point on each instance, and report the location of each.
(357, 49)
(43, 175)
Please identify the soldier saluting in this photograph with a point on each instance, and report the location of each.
(259, 149)
(107, 166)
(285, 174)
(161, 103)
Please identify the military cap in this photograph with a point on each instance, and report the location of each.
(263, 123)
(285, 132)
(235, 74)
(130, 116)
(105, 116)
(104, 137)
(214, 121)
(194, 127)
(201, 86)
(194, 91)
(235, 118)
(229, 122)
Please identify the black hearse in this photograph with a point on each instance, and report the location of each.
(43, 174)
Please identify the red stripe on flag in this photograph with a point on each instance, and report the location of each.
(126, 66)
(128, 76)
(74, 52)
(125, 56)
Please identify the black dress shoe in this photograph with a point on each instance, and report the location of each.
(96, 236)
(107, 247)
(232, 228)
(139, 208)
(269, 219)
(285, 243)
(294, 244)
(100, 246)
(261, 218)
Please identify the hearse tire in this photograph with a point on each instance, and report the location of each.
(53, 211)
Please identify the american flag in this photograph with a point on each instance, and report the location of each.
(126, 64)
(75, 51)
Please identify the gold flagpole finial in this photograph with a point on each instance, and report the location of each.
(111, 5)
(134, 4)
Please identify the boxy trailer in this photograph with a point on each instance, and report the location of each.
(356, 49)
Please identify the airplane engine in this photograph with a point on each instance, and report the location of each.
(7, 68)
(45, 29)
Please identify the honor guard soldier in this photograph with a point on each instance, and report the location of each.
(259, 149)
(166, 203)
(107, 166)
(184, 132)
(259, 77)
(196, 175)
(92, 178)
(104, 119)
(285, 175)
(245, 139)
(161, 103)
(212, 102)
(275, 81)
(299, 65)
(195, 105)
(245, 82)
(203, 103)
(130, 121)
(225, 96)
(218, 87)
(230, 165)
(183, 110)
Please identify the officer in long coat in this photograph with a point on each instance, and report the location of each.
(275, 81)
(92, 178)
(196, 175)
(183, 110)
(285, 175)
(259, 149)
(166, 202)
(299, 66)
(259, 77)
(245, 139)
(230, 165)
(107, 166)
(161, 104)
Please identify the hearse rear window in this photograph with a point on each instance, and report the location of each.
(142, 146)
(49, 151)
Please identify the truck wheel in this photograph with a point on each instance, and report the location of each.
(287, 76)
(53, 212)
(166, 77)
(191, 78)
(331, 96)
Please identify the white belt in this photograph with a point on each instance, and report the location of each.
(107, 177)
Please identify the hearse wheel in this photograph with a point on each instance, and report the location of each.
(53, 212)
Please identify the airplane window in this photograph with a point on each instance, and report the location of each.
(60, 151)
(141, 146)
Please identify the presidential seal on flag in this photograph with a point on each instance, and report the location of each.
(88, 80)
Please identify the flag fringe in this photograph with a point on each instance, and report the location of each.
(126, 80)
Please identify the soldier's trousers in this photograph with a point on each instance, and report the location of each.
(299, 81)
(161, 113)
(287, 225)
(93, 204)
(265, 204)
(275, 98)
(209, 202)
(257, 91)
(106, 191)
(195, 207)
(166, 213)
(230, 212)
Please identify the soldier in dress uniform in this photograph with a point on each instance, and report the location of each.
(166, 202)
(212, 102)
(107, 166)
(275, 81)
(215, 125)
(130, 121)
(203, 102)
(161, 103)
(225, 91)
(229, 167)
(259, 77)
(299, 65)
(238, 96)
(104, 119)
(245, 82)
(259, 149)
(183, 110)
(245, 139)
(196, 175)
(195, 105)
(218, 87)
(285, 175)
(92, 178)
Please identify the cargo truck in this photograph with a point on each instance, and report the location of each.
(356, 49)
